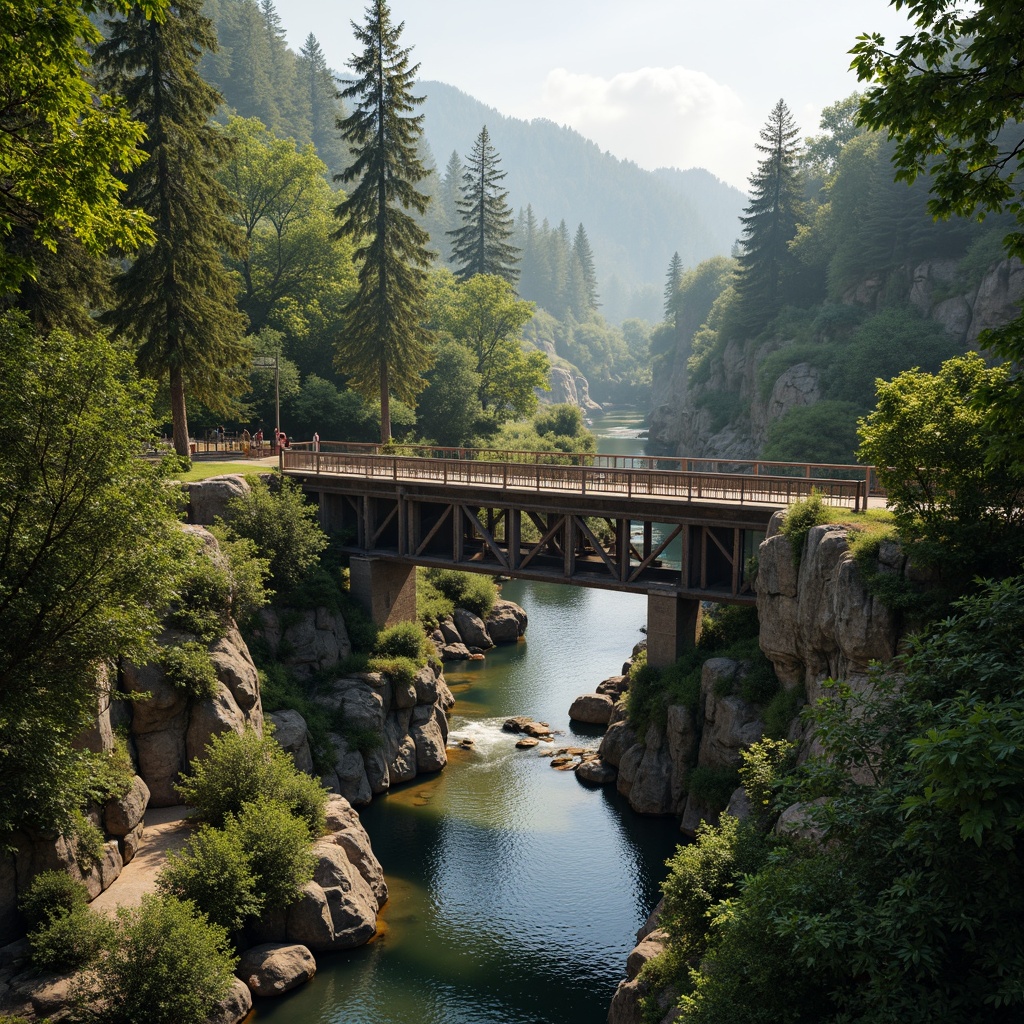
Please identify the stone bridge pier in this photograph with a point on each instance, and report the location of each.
(385, 589)
(673, 626)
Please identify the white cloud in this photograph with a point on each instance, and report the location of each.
(658, 117)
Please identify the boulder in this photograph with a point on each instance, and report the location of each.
(592, 708)
(596, 772)
(506, 622)
(454, 652)
(131, 843)
(235, 669)
(275, 968)
(208, 499)
(210, 717)
(651, 790)
(429, 734)
(120, 817)
(291, 733)
(308, 919)
(234, 1007)
(472, 630)
(348, 776)
(614, 686)
(616, 741)
(307, 640)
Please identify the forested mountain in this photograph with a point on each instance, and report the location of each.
(635, 219)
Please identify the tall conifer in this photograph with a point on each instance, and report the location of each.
(385, 345)
(177, 300)
(481, 245)
(770, 221)
(585, 302)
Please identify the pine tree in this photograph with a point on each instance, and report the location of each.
(177, 300)
(585, 299)
(771, 219)
(481, 245)
(322, 98)
(672, 279)
(535, 271)
(385, 345)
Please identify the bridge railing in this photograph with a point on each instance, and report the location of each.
(686, 485)
(818, 472)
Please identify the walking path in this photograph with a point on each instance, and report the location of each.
(166, 832)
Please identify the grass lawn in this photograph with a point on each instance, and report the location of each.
(205, 469)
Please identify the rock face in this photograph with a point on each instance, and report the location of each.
(275, 968)
(208, 499)
(820, 621)
(307, 641)
(392, 732)
(338, 908)
(567, 389)
(686, 421)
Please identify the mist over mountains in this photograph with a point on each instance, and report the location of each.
(636, 219)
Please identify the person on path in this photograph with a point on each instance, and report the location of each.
(316, 441)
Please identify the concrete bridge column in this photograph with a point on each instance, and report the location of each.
(387, 590)
(673, 625)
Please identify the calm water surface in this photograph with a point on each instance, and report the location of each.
(516, 891)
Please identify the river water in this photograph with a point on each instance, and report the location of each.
(516, 891)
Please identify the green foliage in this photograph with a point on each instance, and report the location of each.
(725, 407)
(450, 409)
(400, 670)
(51, 894)
(240, 768)
(276, 845)
(916, 789)
(963, 518)
(823, 432)
(166, 965)
(65, 143)
(280, 689)
(203, 600)
(440, 591)
(713, 786)
(801, 517)
(249, 573)
(70, 940)
(384, 346)
(187, 324)
(764, 765)
(86, 838)
(362, 738)
(89, 558)
(213, 872)
(781, 710)
(110, 773)
(403, 640)
(481, 244)
(284, 528)
(189, 667)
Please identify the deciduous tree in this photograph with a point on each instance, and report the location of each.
(385, 346)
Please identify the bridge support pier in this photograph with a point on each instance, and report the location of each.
(673, 625)
(387, 590)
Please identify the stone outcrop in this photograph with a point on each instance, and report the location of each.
(291, 733)
(819, 620)
(592, 708)
(465, 635)
(208, 499)
(307, 641)
(338, 908)
(392, 731)
(568, 388)
(625, 1005)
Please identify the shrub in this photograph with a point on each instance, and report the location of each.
(713, 786)
(203, 597)
(781, 710)
(284, 528)
(167, 965)
(238, 768)
(277, 847)
(764, 765)
(249, 574)
(51, 894)
(188, 667)
(801, 517)
(280, 690)
(472, 591)
(400, 670)
(70, 939)
(362, 738)
(213, 872)
(110, 773)
(404, 640)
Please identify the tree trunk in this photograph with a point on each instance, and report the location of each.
(179, 418)
(385, 405)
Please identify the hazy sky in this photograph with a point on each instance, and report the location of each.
(677, 83)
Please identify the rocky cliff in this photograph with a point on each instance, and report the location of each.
(687, 423)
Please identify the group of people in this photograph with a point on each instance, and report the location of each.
(252, 444)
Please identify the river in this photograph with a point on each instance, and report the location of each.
(516, 891)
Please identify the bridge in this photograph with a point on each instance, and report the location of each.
(680, 531)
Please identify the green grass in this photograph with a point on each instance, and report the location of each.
(204, 470)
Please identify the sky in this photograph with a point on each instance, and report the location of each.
(664, 83)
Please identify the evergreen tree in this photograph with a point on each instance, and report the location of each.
(283, 77)
(177, 300)
(771, 219)
(385, 345)
(672, 281)
(481, 245)
(585, 299)
(535, 272)
(322, 99)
